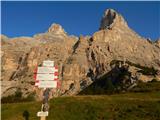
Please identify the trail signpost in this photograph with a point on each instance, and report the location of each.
(46, 77)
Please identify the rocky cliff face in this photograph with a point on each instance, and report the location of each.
(81, 61)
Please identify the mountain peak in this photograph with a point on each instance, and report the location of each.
(110, 18)
(56, 29)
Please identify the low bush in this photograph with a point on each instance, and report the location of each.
(17, 97)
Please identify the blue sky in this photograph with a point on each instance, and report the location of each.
(29, 18)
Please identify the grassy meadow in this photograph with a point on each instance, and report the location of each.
(127, 106)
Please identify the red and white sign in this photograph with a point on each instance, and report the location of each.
(48, 63)
(47, 76)
(45, 70)
(58, 83)
(46, 84)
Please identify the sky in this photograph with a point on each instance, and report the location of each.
(77, 18)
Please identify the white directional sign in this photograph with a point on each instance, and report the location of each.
(41, 113)
(48, 63)
(47, 84)
(45, 70)
(46, 77)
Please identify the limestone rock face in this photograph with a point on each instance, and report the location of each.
(81, 61)
(157, 43)
(4, 39)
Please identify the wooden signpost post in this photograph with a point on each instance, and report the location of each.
(46, 77)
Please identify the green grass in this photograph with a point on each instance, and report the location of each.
(128, 106)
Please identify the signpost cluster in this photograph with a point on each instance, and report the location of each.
(46, 77)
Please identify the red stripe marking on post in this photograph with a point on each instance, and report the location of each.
(35, 70)
(58, 84)
(35, 76)
(56, 79)
(56, 73)
(36, 83)
(56, 67)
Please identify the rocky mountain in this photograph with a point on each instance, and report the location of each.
(82, 60)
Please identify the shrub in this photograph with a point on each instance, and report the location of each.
(18, 94)
(154, 80)
(30, 97)
(17, 97)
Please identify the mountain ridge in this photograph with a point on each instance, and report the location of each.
(80, 60)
